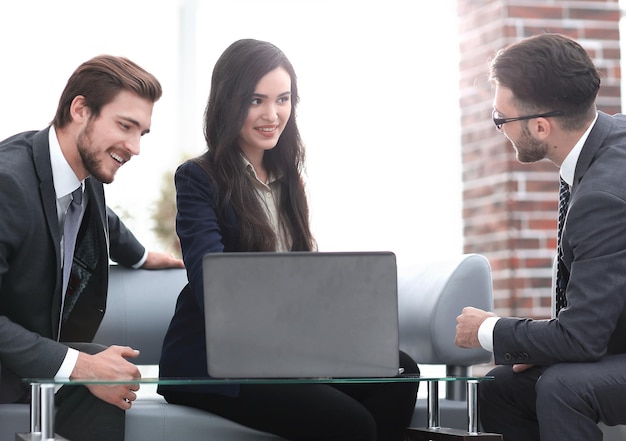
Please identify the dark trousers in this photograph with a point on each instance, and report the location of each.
(342, 412)
(562, 402)
(81, 416)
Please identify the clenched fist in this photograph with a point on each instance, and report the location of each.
(467, 325)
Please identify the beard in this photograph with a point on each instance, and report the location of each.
(528, 148)
(89, 155)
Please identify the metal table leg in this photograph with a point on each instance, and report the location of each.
(432, 405)
(436, 433)
(41, 415)
(47, 412)
(472, 406)
(35, 408)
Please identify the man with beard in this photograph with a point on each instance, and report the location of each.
(50, 310)
(559, 377)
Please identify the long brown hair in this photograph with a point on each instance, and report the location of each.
(234, 79)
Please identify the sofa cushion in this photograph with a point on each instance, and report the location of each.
(154, 420)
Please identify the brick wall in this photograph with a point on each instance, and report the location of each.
(509, 209)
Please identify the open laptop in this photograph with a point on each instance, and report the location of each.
(301, 314)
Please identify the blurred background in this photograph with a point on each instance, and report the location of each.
(378, 104)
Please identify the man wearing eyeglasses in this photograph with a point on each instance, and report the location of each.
(558, 378)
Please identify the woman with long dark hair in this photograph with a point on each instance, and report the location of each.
(246, 193)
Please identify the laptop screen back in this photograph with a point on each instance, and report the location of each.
(301, 314)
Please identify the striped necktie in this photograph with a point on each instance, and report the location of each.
(561, 273)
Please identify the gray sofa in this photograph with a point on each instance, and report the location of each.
(141, 303)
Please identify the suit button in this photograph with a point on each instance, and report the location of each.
(507, 356)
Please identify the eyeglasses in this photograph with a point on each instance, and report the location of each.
(500, 121)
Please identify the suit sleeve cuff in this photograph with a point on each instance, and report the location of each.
(485, 333)
(68, 364)
(141, 261)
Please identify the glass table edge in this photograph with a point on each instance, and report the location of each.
(224, 381)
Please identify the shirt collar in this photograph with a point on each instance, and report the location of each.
(568, 167)
(64, 178)
(252, 171)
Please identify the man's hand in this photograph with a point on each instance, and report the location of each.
(467, 325)
(110, 364)
(517, 368)
(158, 260)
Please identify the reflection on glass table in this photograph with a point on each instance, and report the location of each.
(42, 396)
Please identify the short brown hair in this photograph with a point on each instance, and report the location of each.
(548, 72)
(99, 80)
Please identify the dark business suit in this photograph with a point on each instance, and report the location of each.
(184, 349)
(30, 263)
(580, 357)
(295, 412)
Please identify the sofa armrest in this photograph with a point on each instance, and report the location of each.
(430, 297)
(140, 306)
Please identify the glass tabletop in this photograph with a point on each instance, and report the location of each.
(214, 381)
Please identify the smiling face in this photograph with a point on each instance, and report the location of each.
(111, 139)
(268, 114)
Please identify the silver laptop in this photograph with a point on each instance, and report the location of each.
(301, 314)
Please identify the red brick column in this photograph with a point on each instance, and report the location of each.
(510, 209)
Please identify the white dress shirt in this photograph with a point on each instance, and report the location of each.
(65, 182)
(268, 195)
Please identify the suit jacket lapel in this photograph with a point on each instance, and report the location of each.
(593, 144)
(96, 196)
(41, 159)
(85, 302)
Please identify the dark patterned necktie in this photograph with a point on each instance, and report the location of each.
(70, 231)
(83, 306)
(561, 272)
